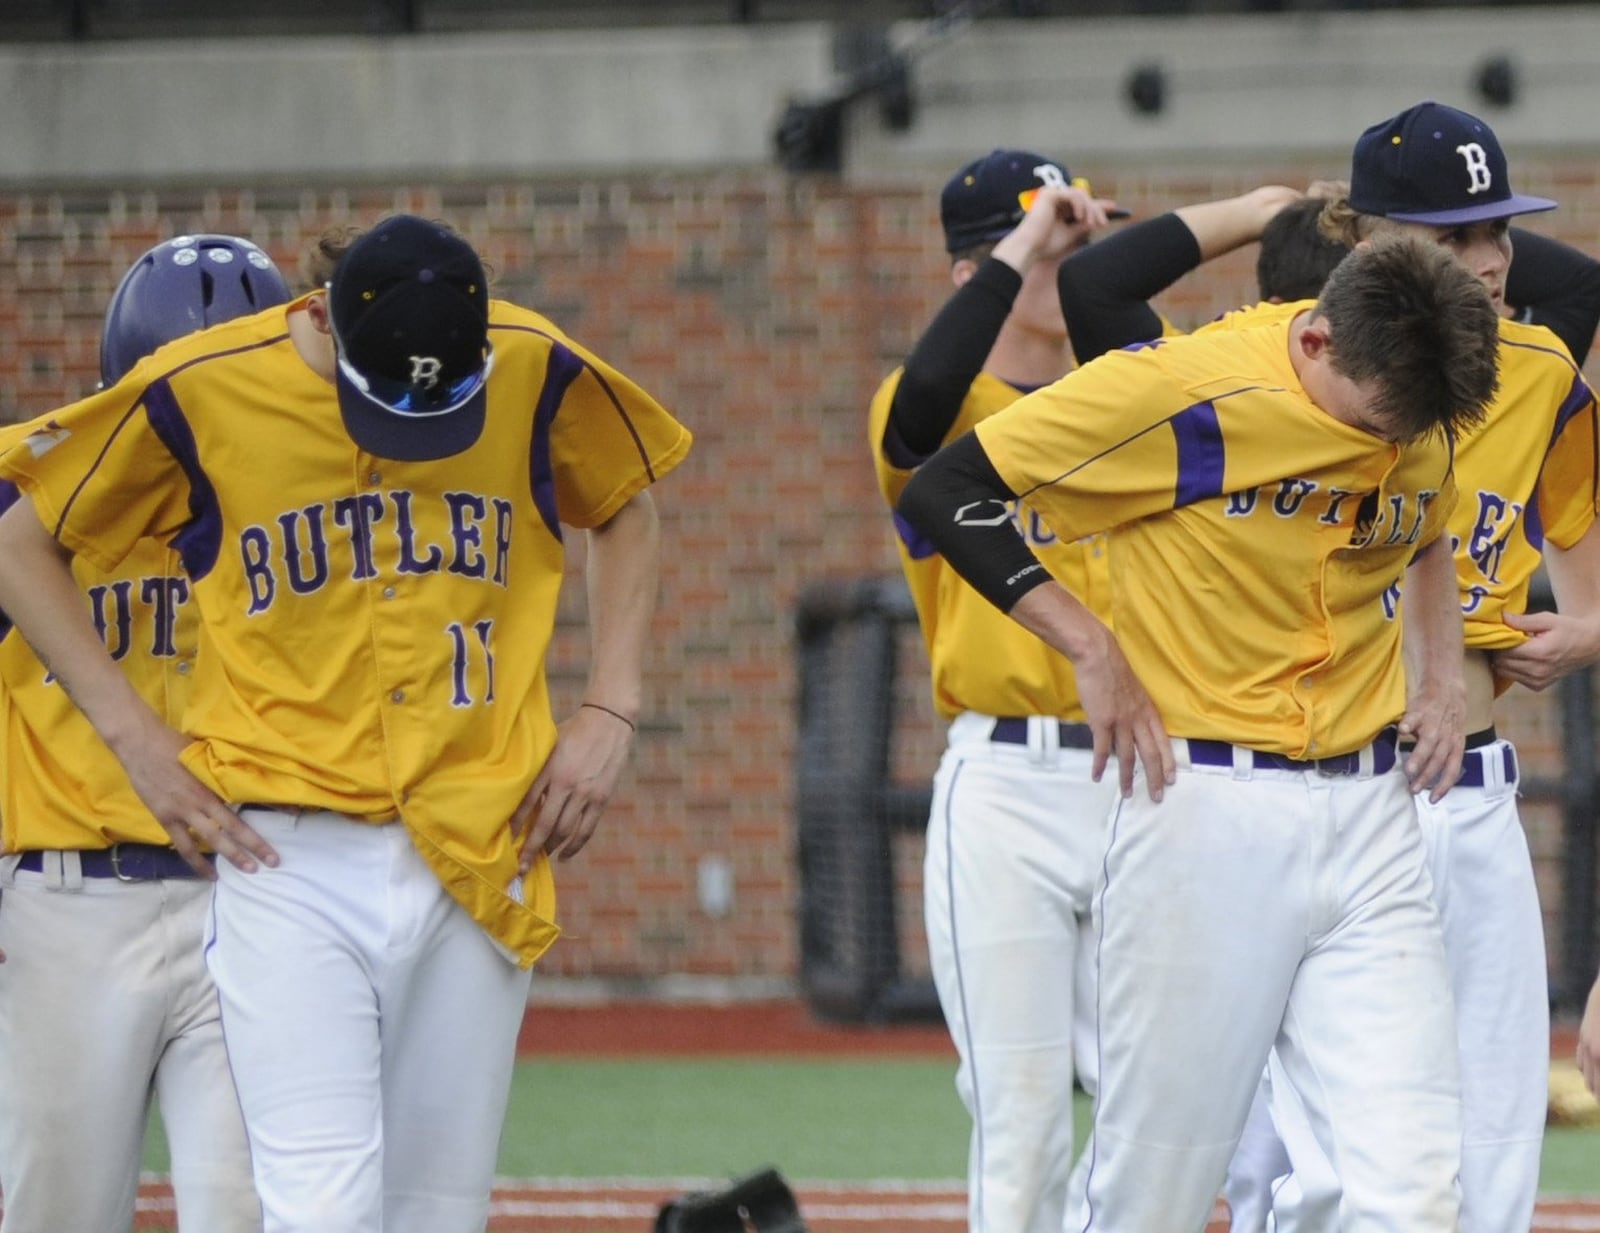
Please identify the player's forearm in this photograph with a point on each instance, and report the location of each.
(1432, 634)
(1220, 227)
(947, 359)
(1104, 288)
(621, 579)
(40, 596)
(959, 503)
(1574, 574)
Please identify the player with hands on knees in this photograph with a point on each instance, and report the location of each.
(105, 1001)
(1015, 829)
(1269, 489)
(368, 489)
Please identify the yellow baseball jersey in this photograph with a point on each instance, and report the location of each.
(60, 787)
(1256, 542)
(981, 659)
(372, 632)
(1526, 475)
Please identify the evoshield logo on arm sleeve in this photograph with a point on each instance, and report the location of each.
(988, 513)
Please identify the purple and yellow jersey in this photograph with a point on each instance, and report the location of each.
(372, 633)
(982, 660)
(1526, 475)
(60, 787)
(1256, 542)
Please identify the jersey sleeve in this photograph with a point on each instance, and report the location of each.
(1568, 495)
(100, 476)
(1099, 448)
(609, 439)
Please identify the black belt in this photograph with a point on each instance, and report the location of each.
(1013, 730)
(1221, 753)
(127, 862)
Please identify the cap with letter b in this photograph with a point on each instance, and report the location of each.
(1434, 164)
(409, 307)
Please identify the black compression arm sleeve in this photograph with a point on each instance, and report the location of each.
(1555, 285)
(946, 360)
(1105, 287)
(957, 501)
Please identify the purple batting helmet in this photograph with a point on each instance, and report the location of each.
(180, 286)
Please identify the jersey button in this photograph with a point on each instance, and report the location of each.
(374, 478)
(183, 668)
(399, 695)
(389, 592)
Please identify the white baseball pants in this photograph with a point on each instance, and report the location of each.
(1484, 886)
(1255, 908)
(372, 1028)
(104, 1002)
(1014, 842)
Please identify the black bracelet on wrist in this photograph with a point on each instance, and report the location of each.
(595, 706)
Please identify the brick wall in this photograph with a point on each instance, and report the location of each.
(763, 310)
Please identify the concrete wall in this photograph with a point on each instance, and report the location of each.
(521, 102)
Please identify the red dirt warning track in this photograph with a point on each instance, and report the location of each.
(779, 1027)
(627, 1206)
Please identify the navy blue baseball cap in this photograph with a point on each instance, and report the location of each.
(988, 197)
(1435, 164)
(409, 306)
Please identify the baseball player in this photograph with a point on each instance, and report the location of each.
(1529, 484)
(1014, 834)
(1269, 487)
(1531, 465)
(104, 997)
(369, 493)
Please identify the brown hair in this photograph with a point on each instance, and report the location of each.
(319, 261)
(1405, 314)
(1342, 223)
(317, 265)
(1295, 257)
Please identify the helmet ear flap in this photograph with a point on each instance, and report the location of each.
(180, 286)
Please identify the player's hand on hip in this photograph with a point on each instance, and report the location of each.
(1435, 723)
(1124, 719)
(561, 810)
(193, 816)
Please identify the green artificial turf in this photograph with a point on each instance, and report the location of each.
(816, 1119)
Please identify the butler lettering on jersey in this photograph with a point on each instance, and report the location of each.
(372, 535)
(1397, 519)
(112, 605)
(1491, 529)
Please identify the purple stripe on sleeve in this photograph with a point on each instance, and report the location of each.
(561, 370)
(9, 495)
(200, 540)
(1533, 523)
(1578, 397)
(1201, 454)
(918, 546)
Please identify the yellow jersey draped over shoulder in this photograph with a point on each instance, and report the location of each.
(1257, 543)
(1526, 475)
(372, 632)
(981, 659)
(60, 787)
